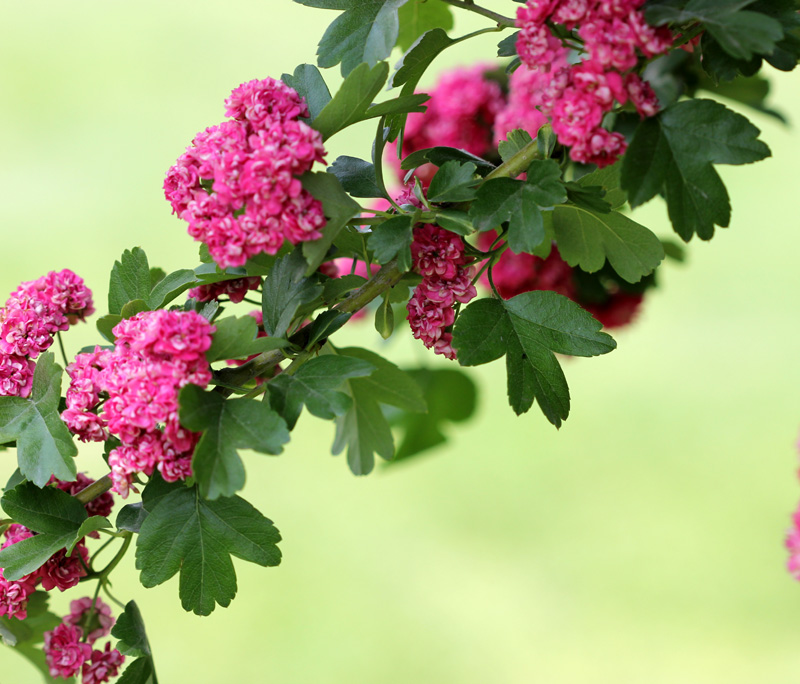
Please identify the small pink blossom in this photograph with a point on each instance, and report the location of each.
(95, 623)
(14, 596)
(102, 667)
(64, 651)
(63, 572)
(437, 252)
(16, 375)
(235, 289)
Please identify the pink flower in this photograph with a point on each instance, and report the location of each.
(95, 623)
(64, 651)
(14, 595)
(793, 546)
(238, 186)
(436, 252)
(63, 572)
(16, 375)
(103, 666)
(600, 147)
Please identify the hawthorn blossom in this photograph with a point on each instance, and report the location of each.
(238, 185)
(438, 255)
(95, 623)
(235, 289)
(156, 354)
(576, 98)
(102, 666)
(32, 315)
(64, 650)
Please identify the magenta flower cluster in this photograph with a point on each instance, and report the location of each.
(577, 97)
(237, 186)
(68, 652)
(438, 256)
(59, 571)
(236, 289)
(131, 392)
(32, 315)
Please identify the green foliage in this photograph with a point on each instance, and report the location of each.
(529, 329)
(366, 31)
(740, 33)
(338, 207)
(451, 397)
(516, 141)
(363, 429)
(228, 425)
(356, 176)
(309, 84)
(44, 445)
(236, 338)
(130, 631)
(503, 200)
(439, 156)
(285, 290)
(507, 47)
(171, 286)
(453, 182)
(417, 17)
(130, 279)
(586, 238)
(391, 239)
(316, 385)
(673, 153)
(131, 516)
(57, 517)
(188, 534)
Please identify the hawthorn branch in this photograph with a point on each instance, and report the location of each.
(470, 6)
(518, 163)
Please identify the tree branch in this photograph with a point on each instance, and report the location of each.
(470, 6)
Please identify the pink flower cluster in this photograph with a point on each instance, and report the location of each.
(237, 185)
(514, 274)
(59, 572)
(461, 113)
(32, 315)
(69, 653)
(577, 97)
(235, 289)
(438, 256)
(131, 392)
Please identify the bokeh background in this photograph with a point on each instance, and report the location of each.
(641, 543)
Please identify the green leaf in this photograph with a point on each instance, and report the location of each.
(236, 338)
(439, 156)
(187, 533)
(608, 178)
(44, 445)
(284, 291)
(384, 319)
(516, 141)
(673, 153)
(54, 514)
(156, 276)
(366, 32)
(508, 46)
(363, 429)
(453, 182)
(450, 396)
(391, 239)
(130, 279)
(411, 67)
(133, 641)
(170, 286)
(339, 208)
(420, 16)
(455, 221)
(352, 100)
(356, 176)
(518, 202)
(228, 425)
(310, 85)
(529, 329)
(324, 325)
(48, 510)
(92, 524)
(134, 307)
(131, 517)
(316, 384)
(742, 34)
(586, 239)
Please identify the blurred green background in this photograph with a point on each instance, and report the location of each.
(641, 543)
